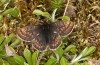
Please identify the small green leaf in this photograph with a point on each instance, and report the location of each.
(83, 53)
(51, 61)
(12, 35)
(73, 50)
(47, 15)
(19, 59)
(12, 11)
(64, 18)
(54, 15)
(85, 63)
(11, 61)
(69, 48)
(60, 52)
(16, 42)
(1, 61)
(2, 39)
(9, 38)
(5, 63)
(38, 12)
(63, 61)
(1, 18)
(34, 57)
(76, 59)
(2, 53)
(90, 50)
(28, 56)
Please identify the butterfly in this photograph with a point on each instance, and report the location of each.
(46, 35)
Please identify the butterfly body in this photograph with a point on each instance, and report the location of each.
(45, 31)
(46, 35)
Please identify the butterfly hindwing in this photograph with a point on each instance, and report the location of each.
(33, 34)
(39, 42)
(54, 40)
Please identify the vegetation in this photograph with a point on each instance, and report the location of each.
(79, 48)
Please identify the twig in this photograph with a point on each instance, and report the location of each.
(66, 7)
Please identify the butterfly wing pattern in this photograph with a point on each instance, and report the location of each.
(26, 33)
(63, 28)
(54, 39)
(59, 29)
(33, 34)
(40, 40)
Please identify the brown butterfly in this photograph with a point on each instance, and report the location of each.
(46, 35)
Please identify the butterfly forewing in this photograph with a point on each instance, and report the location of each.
(63, 28)
(27, 33)
(33, 34)
(39, 42)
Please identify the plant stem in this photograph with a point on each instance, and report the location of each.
(66, 7)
